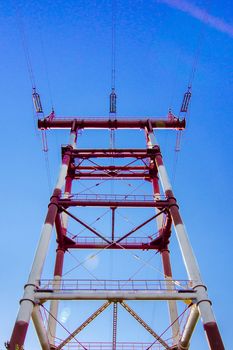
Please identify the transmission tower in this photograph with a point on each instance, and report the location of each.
(131, 164)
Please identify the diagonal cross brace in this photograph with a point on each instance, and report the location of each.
(141, 225)
(83, 325)
(145, 325)
(86, 225)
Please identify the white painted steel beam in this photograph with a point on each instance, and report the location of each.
(40, 328)
(114, 295)
(172, 306)
(189, 328)
(53, 311)
(145, 325)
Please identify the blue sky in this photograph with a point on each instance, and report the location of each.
(70, 50)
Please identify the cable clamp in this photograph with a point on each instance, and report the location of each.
(29, 284)
(204, 300)
(173, 205)
(27, 299)
(200, 285)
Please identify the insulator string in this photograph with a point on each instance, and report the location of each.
(113, 76)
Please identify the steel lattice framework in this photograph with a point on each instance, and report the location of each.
(114, 292)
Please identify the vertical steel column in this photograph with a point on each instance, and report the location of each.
(27, 303)
(172, 306)
(52, 323)
(58, 269)
(113, 223)
(203, 302)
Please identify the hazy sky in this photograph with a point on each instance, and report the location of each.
(157, 43)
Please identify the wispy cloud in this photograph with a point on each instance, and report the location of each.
(200, 14)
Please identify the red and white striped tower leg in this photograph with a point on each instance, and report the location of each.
(58, 270)
(28, 301)
(172, 306)
(203, 302)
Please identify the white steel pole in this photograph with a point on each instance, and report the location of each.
(52, 323)
(172, 306)
(203, 302)
(53, 312)
(40, 328)
(27, 302)
(189, 328)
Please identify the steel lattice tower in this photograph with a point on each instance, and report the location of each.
(193, 291)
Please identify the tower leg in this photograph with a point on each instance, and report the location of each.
(172, 305)
(27, 302)
(203, 303)
(52, 323)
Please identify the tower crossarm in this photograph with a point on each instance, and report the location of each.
(87, 153)
(83, 122)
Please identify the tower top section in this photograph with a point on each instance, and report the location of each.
(110, 123)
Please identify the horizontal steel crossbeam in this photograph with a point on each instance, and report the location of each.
(108, 175)
(110, 203)
(111, 295)
(83, 122)
(115, 246)
(138, 153)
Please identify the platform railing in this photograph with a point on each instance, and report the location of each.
(108, 346)
(126, 241)
(113, 197)
(98, 285)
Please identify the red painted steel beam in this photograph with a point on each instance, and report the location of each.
(139, 226)
(87, 227)
(138, 153)
(105, 203)
(112, 168)
(140, 246)
(111, 174)
(106, 123)
(59, 230)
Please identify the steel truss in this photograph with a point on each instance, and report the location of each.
(146, 164)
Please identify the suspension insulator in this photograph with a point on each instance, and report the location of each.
(113, 97)
(36, 101)
(51, 116)
(186, 100)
